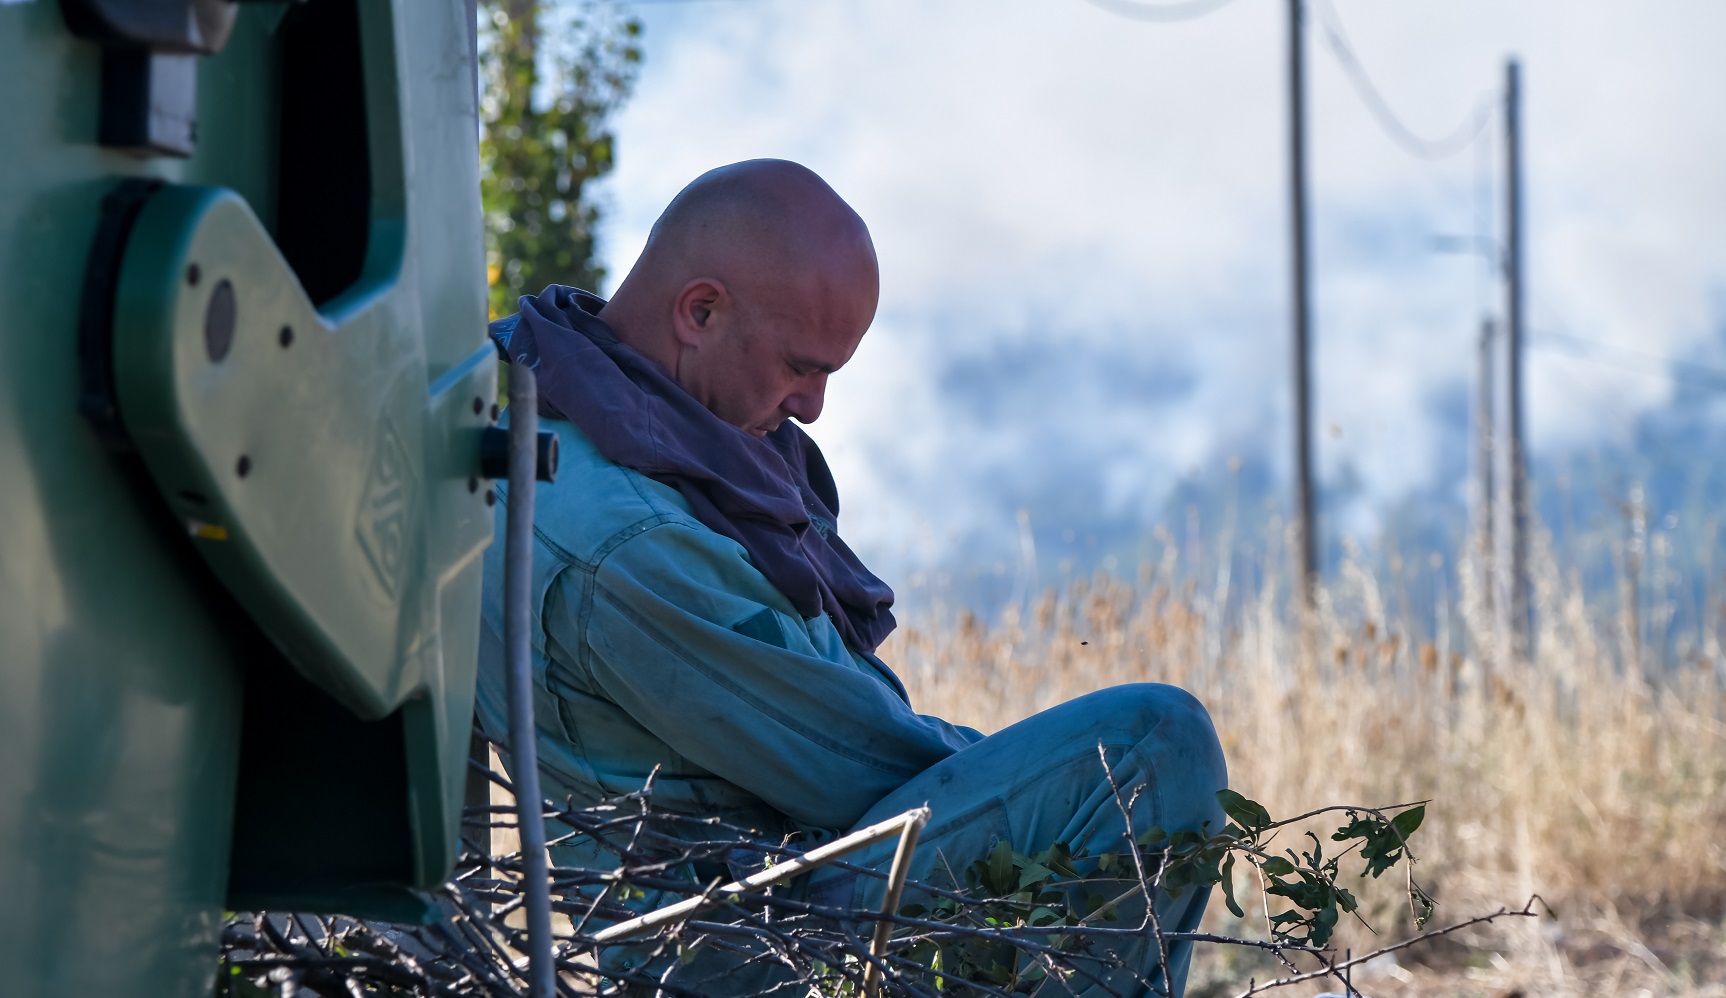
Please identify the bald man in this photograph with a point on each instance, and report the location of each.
(698, 615)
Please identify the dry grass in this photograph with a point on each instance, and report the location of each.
(1599, 786)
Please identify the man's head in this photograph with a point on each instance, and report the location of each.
(756, 283)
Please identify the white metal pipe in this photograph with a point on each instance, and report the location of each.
(902, 824)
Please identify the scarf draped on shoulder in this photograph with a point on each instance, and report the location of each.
(774, 495)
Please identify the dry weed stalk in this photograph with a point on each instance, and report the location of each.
(1585, 775)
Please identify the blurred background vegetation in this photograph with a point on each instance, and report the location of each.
(551, 76)
(1591, 774)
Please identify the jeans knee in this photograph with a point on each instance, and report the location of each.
(1178, 741)
(1157, 707)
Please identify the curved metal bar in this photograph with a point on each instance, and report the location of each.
(904, 824)
(518, 661)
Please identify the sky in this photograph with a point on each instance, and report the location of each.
(1082, 224)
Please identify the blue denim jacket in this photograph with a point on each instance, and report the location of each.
(657, 643)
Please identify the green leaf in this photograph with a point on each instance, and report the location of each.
(1358, 827)
(1153, 838)
(1001, 879)
(1409, 820)
(1059, 858)
(1276, 866)
(1316, 857)
(1229, 887)
(1186, 840)
(1322, 925)
(1249, 814)
(1035, 873)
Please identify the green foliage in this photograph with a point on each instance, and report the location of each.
(551, 76)
(1309, 881)
(1382, 844)
(1045, 899)
(1045, 892)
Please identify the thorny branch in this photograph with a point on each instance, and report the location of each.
(774, 935)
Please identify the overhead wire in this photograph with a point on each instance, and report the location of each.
(1682, 372)
(1620, 412)
(1336, 37)
(1185, 10)
(1460, 138)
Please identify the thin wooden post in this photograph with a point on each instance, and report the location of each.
(1306, 525)
(1515, 522)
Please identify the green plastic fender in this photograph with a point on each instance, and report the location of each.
(328, 483)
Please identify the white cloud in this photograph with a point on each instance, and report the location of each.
(1081, 225)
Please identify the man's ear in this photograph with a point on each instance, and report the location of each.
(701, 305)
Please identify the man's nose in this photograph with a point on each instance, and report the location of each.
(805, 403)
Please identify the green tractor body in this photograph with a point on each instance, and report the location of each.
(243, 383)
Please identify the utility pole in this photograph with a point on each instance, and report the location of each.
(1630, 589)
(1306, 526)
(1484, 495)
(1514, 520)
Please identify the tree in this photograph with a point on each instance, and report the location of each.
(551, 76)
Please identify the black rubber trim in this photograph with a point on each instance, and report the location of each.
(494, 454)
(97, 398)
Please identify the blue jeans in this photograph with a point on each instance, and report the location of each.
(1042, 781)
